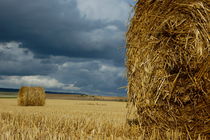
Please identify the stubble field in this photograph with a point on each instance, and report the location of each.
(70, 120)
(63, 119)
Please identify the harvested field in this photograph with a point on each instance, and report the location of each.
(69, 119)
(62, 119)
(84, 97)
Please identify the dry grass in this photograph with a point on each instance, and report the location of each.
(31, 96)
(70, 119)
(168, 64)
(62, 119)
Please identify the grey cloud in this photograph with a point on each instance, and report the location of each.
(59, 42)
(52, 27)
(93, 76)
(67, 74)
(20, 61)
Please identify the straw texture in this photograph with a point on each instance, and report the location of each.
(31, 96)
(168, 66)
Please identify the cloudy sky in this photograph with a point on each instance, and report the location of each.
(64, 45)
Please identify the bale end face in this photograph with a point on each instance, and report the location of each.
(31, 96)
(168, 64)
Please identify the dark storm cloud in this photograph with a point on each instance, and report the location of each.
(63, 45)
(94, 76)
(20, 61)
(55, 27)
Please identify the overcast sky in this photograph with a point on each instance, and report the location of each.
(64, 45)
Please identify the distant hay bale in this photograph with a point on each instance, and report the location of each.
(168, 66)
(31, 96)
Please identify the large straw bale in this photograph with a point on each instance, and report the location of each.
(31, 96)
(168, 66)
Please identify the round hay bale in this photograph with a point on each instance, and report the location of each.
(31, 96)
(168, 66)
